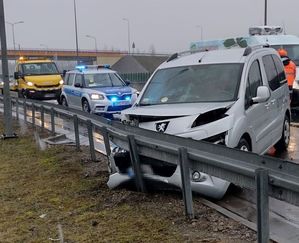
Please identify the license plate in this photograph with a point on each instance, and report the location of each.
(49, 95)
(120, 103)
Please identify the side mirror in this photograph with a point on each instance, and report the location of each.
(63, 73)
(78, 85)
(263, 94)
(18, 75)
(128, 82)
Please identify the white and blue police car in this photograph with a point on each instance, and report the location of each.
(97, 89)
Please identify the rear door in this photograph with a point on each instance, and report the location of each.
(77, 91)
(258, 115)
(276, 100)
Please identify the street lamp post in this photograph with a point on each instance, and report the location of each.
(76, 32)
(13, 31)
(266, 12)
(95, 41)
(129, 42)
(199, 26)
(8, 130)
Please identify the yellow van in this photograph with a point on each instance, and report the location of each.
(37, 79)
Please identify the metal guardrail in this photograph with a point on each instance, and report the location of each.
(267, 176)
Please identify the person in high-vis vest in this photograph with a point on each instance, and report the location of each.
(289, 68)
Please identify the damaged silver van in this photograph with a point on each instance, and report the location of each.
(236, 97)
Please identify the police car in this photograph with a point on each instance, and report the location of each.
(96, 89)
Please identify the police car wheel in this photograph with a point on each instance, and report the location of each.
(85, 106)
(63, 101)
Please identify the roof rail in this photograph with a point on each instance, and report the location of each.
(179, 54)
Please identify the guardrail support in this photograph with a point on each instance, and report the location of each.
(186, 182)
(17, 108)
(91, 142)
(42, 116)
(76, 130)
(106, 140)
(25, 111)
(33, 114)
(52, 121)
(136, 164)
(262, 204)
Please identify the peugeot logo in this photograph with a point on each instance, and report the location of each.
(161, 126)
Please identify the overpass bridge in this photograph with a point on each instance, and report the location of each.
(102, 57)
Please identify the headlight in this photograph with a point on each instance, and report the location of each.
(61, 81)
(97, 97)
(29, 83)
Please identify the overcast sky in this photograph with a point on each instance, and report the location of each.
(168, 25)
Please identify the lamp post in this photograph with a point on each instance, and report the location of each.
(8, 130)
(95, 41)
(266, 12)
(129, 42)
(76, 32)
(13, 31)
(199, 26)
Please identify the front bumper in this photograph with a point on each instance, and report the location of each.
(42, 94)
(107, 107)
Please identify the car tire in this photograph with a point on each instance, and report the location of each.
(85, 106)
(283, 143)
(244, 145)
(63, 101)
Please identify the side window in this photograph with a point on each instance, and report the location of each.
(70, 80)
(79, 79)
(280, 69)
(271, 72)
(254, 80)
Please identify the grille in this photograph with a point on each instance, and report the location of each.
(119, 97)
(118, 108)
(47, 86)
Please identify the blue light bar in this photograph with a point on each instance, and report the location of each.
(80, 68)
(104, 66)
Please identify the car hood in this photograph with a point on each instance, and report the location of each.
(114, 90)
(44, 79)
(175, 109)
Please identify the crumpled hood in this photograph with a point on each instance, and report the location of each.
(45, 80)
(185, 109)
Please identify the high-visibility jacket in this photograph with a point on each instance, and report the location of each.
(290, 70)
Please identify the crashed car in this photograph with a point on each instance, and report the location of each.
(238, 98)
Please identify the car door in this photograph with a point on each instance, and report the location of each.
(257, 114)
(77, 91)
(274, 104)
(68, 87)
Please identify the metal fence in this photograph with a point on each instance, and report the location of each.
(266, 175)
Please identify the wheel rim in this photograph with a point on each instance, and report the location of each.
(244, 148)
(286, 132)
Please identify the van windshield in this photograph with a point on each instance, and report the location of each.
(192, 84)
(46, 68)
(293, 52)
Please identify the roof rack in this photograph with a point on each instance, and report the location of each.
(183, 53)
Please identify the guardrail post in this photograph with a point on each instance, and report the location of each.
(17, 108)
(91, 142)
(106, 140)
(52, 121)
(25, 110)
(42, 116)
(262, 204)
(33, 114)
(136, 164)
(186, 182)
(76, 129)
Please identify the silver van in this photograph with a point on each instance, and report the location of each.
(236, 97)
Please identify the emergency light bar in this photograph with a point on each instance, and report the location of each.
(265, 30)
(83, 67)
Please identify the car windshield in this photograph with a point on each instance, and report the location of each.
(191, 84)
(102, 80)
(293, 52)
(46, 68)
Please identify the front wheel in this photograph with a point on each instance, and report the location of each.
(244, 145)
(284, 141)
(85, 106)
(63, 101)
